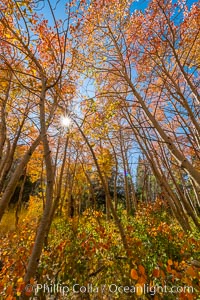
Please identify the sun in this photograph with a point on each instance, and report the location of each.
(65, 121)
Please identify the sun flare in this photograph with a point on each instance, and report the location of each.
(65, 121)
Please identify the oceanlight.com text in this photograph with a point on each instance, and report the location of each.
(63, 289)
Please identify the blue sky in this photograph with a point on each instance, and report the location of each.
(142, 4)
(60, 11)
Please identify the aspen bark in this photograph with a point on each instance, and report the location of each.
(15, 177)
(45, 222)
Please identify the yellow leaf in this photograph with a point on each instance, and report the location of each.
(138, 289)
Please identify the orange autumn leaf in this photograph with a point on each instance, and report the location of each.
(141, 269)
(156, 273)
(28, 293)
(162, 274)
(174, 272)
(169, 270)
(142, 279)
(176, 264)
(190, 296)
(190, 271)
(9, 290)
(10, 298)
(134, 274)
(170, 262)
(187, 296)
(32, 281)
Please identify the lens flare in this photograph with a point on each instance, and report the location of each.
(65, 121)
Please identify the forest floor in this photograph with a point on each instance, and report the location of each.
(85, 259)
